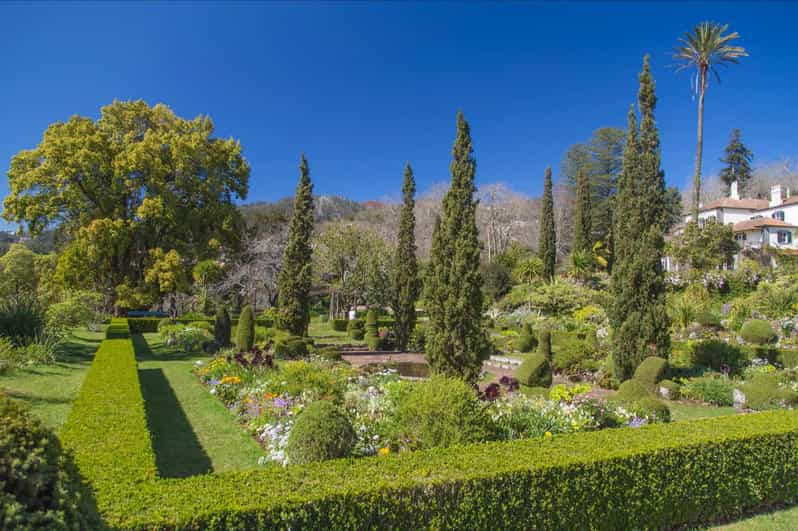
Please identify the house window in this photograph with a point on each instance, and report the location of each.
(712, 219)
(756, 217)
(779, 215)
(784, 236)
(740, 237)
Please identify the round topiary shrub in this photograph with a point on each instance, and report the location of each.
(437, 413)
(291, 347)
(651, 371)
(632, 390)
(339, 325)
(534, 371)
(758, 332)
(321, 432)
(40, 487)
(245, 333)
(356, 329)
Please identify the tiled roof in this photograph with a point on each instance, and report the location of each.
(751, 224)
(728, 202)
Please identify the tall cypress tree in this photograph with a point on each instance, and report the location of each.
(295, 278)
(583, 224)
(457, 342)
(547, 244)
(738, 163)
(638, 317)
(405, 278)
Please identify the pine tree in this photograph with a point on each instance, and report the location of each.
(405, 278)
(456, 340)
(245, 333)
(738, 163)
(547, 245)
(583, 239)
(638, 317)
(294, 280)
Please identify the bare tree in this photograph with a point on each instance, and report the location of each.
(252, 274)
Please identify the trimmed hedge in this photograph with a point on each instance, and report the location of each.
(534, 371)
(651, 371)
(657, 476)
(118, 328)
(339, 325)
(146, 325)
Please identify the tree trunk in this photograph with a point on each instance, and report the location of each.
(702, 87)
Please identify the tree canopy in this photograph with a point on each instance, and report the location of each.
(136, 179)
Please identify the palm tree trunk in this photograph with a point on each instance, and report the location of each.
(700, 143)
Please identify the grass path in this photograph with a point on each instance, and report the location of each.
(192, 431)
(782, 519)
(49, 390)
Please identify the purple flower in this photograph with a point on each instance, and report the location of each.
(214, 381)
(636, 422)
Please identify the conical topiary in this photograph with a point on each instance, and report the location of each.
(221, 327)
(245, 334)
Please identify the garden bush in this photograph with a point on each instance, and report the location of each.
(544, 344)
(526, 341)
(632, 391)
(330, 353)
(291, 347)
(9, 359)
(692, 472)
(339, 325)
(78, 308)
(763, 392)
(245, 333)
(21, 319)
(717, 355)
(716, 390)
(758, 332)
(788, 358)
(534, 371)
(651, 408)
(356, 329)
(40, 487)
(418, 339)
(436, 413)
(321, 432)
(651, 371)
(222, 329)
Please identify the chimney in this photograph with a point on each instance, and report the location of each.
(775, 195)
(733, 191)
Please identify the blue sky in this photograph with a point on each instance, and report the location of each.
(362, 87)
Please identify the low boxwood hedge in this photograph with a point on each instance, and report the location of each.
(145, 325)
(658, 476)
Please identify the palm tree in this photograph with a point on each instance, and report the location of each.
(706, 48)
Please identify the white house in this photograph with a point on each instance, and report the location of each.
(755, 222)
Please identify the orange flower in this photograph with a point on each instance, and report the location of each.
(269, 396)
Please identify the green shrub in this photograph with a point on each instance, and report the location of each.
(788, 358)
(245, 334)
(526, 340)
(339, 325)
(436, 413)
(9, 359)
(117, 329)
(372, 329)
(544, 344)
(222, 327)
(652, 408)
(330, 353)
(78, 308)
(758, 332)
(763, 392)
(40, 487)
(21, 319)
(534, 392)
(291, 347)
(706, 317)
(321, 432)
(717, 355)
(534, 371)
(356, 329)
(651, 371)
(632, 391)
(674, 389)
(712, 389)
(418, 339)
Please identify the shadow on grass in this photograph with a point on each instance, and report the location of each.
(178, 453)
(34, 400)
(77, 350)
(161, 352)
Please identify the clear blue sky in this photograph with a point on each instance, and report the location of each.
(362, 87)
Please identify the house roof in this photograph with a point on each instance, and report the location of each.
(728, 202)
(752, 224)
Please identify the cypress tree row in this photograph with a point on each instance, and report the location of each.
(405, 278)
(638, 317)
(456, 340)
(547, 244)
(295, 278)
(583, 222)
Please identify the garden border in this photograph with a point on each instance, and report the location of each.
(657, 476)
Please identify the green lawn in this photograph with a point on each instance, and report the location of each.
(324, 333)
(192, 431)
(50, 390)
(681, 411)
(783, 519)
